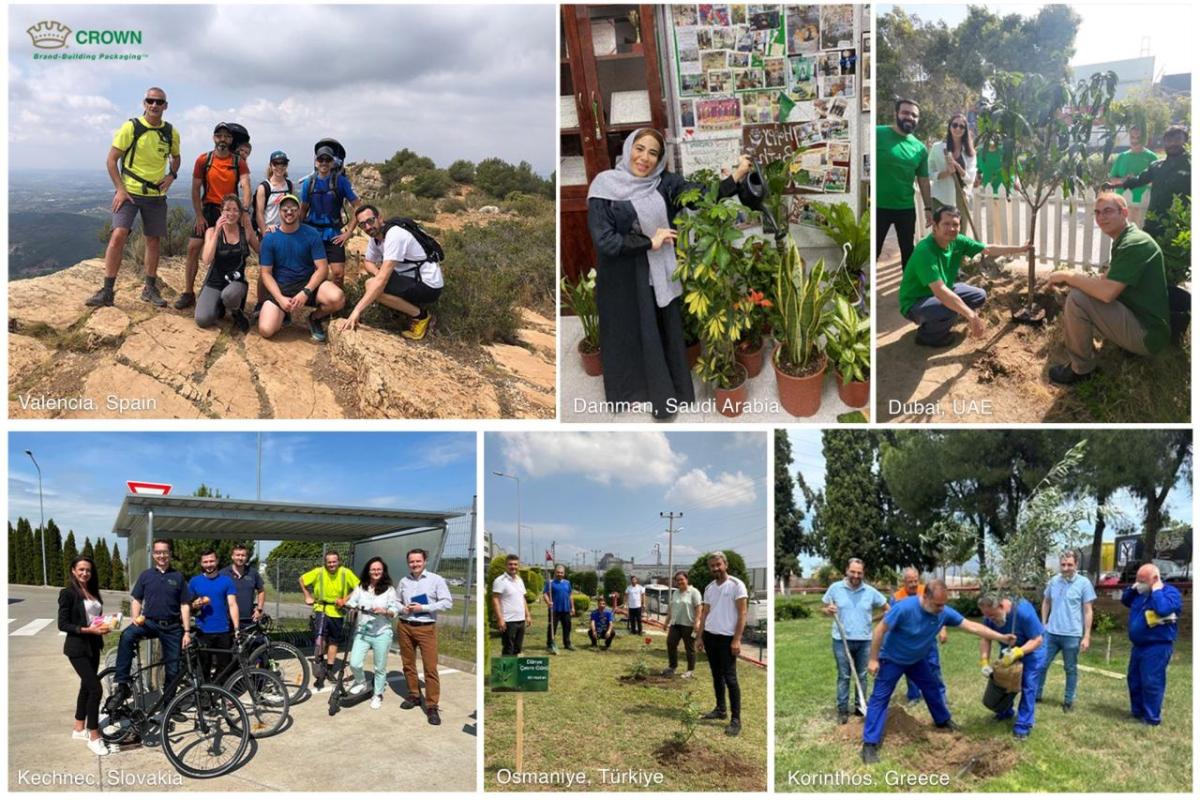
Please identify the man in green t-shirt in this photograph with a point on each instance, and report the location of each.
(931, 294)
(1127, 305)
(331, 586)
(900, 158)
(143, 162)
(1171, 177)
(1133, 161)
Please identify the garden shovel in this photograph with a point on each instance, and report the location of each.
(862, 694)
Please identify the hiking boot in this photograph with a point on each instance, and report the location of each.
(870, 754)
(412, 701)
(1063, 375)
(419, 327)
(843, 716)
(241, 320)
(432, 716)
(104, 297)
(150, 295)
(734, 727)
(949, 725)
(185, 300)
(316, 329)
(716, 713)
(117, 699)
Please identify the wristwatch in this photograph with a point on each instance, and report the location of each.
(307, 291)
(174, 175)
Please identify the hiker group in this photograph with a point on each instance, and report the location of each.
(299, 232)
(904, 642)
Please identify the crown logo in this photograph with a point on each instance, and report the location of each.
(49, 35)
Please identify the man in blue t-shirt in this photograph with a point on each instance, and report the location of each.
(215, 610)
(557, 597)
(293, 270)
(1067, 617)
(601, 626)
(1019, 618)
(1154, 609)
(322, 196)
(900, 646)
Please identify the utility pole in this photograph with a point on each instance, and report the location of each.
(658, 554)
(670, 517)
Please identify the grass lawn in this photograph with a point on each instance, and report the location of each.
(1097, 748)
(589, 720)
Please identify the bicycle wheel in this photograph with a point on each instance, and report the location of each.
(286, 661)
(205, 732)
(120, 726)
(265, 698)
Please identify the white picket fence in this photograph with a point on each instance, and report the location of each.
(1074, 241)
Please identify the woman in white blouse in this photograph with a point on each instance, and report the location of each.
(951, 161)
(378, 605)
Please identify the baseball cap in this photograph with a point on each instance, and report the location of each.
(289, 197)
(326, 151)
(279, 155)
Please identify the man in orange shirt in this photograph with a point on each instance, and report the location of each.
(912, 587)
(216, 173)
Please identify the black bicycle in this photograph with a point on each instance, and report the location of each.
(261, 691)
(204, 729)
(282, 658)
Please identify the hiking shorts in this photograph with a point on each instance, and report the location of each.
(291, 290)
(152, 209)
(335, 253)
(406, 287)
(211, 213)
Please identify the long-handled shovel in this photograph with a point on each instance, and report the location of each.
(862, 694)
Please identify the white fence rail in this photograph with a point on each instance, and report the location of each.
(1066, 232)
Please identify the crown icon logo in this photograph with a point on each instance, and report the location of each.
(49, 35)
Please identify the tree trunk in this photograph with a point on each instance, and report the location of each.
(1033, 212)
(1098, 536)
(981, 543)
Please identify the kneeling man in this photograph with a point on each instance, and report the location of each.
(293, 270)
(931, 294)
(1127, 305)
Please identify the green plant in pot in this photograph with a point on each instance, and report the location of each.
(848, 344)
(853, 236)
(802, 297)
(581, 297)
(1177, 258)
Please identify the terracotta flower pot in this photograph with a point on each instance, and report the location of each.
(752, 360)
(730, 401)
(799, 396)
(591, 360)
(855, 394)
(693, 354)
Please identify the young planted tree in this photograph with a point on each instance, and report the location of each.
(1044, 127)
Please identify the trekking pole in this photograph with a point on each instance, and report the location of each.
(862, 695)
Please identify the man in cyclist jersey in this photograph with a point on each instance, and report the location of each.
(327, 589)
(251, 596)
(215, 609)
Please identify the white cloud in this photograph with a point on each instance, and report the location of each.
(697, 490)
(629, 459)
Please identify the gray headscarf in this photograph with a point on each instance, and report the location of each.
(621, 184)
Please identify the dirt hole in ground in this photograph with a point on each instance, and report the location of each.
(646, 680)
(695, 758)
(988, 367)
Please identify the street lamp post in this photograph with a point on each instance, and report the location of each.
(518, 480)
(42, 508)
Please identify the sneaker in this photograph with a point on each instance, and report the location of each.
(432, 716)
(734, 727)
(316, 329)
(1063, 375)
(949, 725)
(357, 689)
(687, 676)
(569, 647)
(870, 754)
(843, 716)
(117, 698)
(1066, 707)
(241, 320)
(150, 295)
(185, 300)
(99, 747)
(104, 297)
(321, 688)
(668, 672)
(1020, 737)
(553, 649)
(377, 702)
(716, 713)
(81, 735)
(419, 327)
(412, 701)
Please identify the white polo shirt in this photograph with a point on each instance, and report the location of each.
(512, 597)
(721, 599)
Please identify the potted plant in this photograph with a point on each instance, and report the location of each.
(1177, 257)
(848, 343)
(853, 236)
(581, 297)
(802, 297)
(761, 266)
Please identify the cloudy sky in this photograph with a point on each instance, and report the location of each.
(604, 491)
(445, 81)
(84, 474)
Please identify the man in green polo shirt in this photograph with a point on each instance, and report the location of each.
(931, 294)
(1171, 177)
(900, 158)
(1134, 161)
(1127, 305)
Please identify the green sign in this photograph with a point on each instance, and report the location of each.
(521, 674)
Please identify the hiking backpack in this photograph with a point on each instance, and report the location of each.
(237, 166)
(335, 174)
(164, 132)
(266, 202)
(431, 246)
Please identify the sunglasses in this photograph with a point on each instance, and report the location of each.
(957, 126)
(279, 163)
(156, 101)
(324, 160)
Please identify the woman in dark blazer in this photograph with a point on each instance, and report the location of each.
(78, 604)
(630, 213)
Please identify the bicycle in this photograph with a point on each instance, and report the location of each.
(204, 729)
(282, 658)
(261, 691)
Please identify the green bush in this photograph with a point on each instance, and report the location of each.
(499, 179)
(581, 602)
(828, 574)
(461, 171)
(967, 605)
(534, 583)
(585, 581)
(526, 205)
(430, 183)
(404, 162)
(792, 608)
(452, 205)
(615, 581)
(699, 575)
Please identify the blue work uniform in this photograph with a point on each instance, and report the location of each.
(911, 632)
(1153, 645)
(912, 693)
(161, 594)
(1026, 626)
(855, 610)
(248, 586)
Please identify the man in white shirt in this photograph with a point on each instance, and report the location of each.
(719, 629)
(422, 595)
(404, 277)
(510, 607)
(635, 593)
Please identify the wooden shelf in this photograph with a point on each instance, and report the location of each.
(570, 131)
(629, 127)
(620, 56)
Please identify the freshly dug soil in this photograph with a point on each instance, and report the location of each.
(647, 680)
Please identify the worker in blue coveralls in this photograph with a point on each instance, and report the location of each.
(1020, 618)
(900, 646)
(1154, 610)
(912, 587)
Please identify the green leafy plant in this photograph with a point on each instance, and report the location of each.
(689, 719)
(640, 670)
(581, 297)
(848, 341)
(802, 297)
(1177, 242)
(853, 236)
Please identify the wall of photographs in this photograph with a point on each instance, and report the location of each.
(777, 81)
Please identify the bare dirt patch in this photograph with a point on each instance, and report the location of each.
(646, 680)
(694, 758)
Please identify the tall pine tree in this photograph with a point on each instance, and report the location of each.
(12, 554)
(103, 564)
(850, 518)
(70, 550)
(88, 550)
(25, 566)
(117, 573)
(54, 553)
(789, 534)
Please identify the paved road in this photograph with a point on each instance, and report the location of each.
(317, 753)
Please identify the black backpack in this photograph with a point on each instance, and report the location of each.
(164, 132)
(266, 198)
(433, 250)
(237, 167)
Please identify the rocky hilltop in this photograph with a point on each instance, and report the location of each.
(133, 360)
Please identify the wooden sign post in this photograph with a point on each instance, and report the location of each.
(520, 674)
